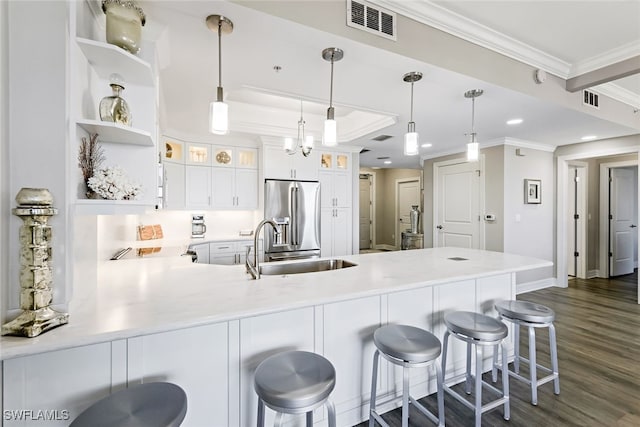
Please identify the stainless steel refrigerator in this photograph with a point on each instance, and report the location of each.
(295, 206)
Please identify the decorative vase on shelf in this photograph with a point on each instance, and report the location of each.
(125, 20)
(114, 108)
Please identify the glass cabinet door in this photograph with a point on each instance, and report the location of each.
(173, 151)
(198, 154)
(247, 158)
(223, 157)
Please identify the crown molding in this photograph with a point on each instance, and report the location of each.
(619, 93)
(438, 17)
(521, 143)
(613, 56)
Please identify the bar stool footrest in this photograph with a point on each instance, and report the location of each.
(487, 406)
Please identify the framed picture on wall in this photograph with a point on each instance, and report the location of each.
(532, 191)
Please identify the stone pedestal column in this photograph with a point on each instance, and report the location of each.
(35, 206)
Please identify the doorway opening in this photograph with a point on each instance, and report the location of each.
(563, 162)
(407, 195)
(366, 219)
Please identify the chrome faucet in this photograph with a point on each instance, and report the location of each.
(254, 269)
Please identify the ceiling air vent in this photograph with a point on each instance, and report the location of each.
(372, 19)
(381, 137)
(591, 99)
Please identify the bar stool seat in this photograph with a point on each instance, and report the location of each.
(479, 330)
(158, 404)
(409, 347)
(295, 382)
(531, 315)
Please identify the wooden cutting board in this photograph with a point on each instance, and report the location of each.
(150, 232)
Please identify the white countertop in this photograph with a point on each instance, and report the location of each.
(135, 297)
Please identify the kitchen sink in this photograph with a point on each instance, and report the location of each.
(304, 267)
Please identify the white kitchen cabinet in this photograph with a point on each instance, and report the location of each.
(234, 188)
(174, 187)
(446, 299)
(203, 374)
(263, 336)
(234, 157)
(335, 189)
(232, 252)
(202, 251)
(347, 339)
(172, 150)
(277, 164)
(198, 187)
(335, 232)
(198, 154)
(61, 383)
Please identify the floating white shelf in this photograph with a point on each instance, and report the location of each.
(111, 207)
(107, 59)
(113, 132)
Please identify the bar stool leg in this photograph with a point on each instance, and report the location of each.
(554, 358)
(310, 419)
(440, 394)
(374, 381)
(505, 382)
(405, 397)
(445, 344)
(532, 366)
(478, 384)
(331, 412)
(467, 384)
(278, 420)
(260, 422)
(494, 364)
(516, 348)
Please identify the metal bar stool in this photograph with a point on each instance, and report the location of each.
(408, 347)
(531, 315)
(145, 405)
(295, 382)
(481, 331)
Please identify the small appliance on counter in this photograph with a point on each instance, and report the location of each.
(198, 227)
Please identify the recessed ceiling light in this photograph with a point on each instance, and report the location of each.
(514, 121)
(426, 145)
(588, 137)
(387, 162)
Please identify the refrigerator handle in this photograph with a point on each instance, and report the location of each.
(294, 214)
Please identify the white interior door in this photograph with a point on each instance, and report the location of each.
(571, 225)
(408, 195)
(576, 221)
(622, 223)
(458, 213)
(365, 212)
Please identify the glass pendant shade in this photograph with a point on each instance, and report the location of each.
(288, 145)
(472, 150)
(330, 138)
(411, 144)
(308, 142)
(218, 118)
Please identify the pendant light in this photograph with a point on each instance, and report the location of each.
(304, 142)
(218, 109)
(330, 134)
(472, 146)
(411, 137)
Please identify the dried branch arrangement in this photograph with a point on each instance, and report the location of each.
(90, 157)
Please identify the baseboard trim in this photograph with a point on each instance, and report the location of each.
(386, 247)
(592, 274)
(534, 286)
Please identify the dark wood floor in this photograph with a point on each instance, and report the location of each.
(598, 330)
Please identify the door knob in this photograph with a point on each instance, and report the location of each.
(633, 226)
(439, 227)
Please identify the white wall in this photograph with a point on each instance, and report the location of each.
(38, 130)
(4, 160)
(529, 228)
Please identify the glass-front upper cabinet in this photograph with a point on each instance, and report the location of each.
(173, 151)
(198, 154)
(246, 158)
(238, 157)
(334, 161)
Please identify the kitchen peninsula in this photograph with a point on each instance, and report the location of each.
(206, 327)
